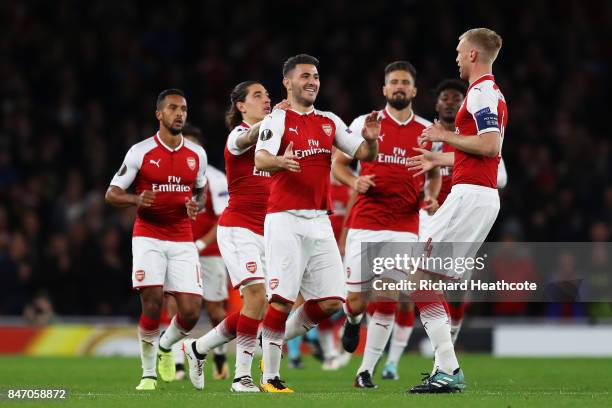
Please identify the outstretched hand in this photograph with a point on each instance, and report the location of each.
(371, 127)
(422, 163)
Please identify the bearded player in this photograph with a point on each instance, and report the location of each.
(386, 209)
(169, 173)
(301, 251)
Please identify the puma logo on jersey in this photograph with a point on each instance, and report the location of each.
(386, 326)
(380, 137)
(155, 162)
(294, 130)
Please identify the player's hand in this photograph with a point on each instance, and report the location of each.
(433, 133)
(192, 208)
(422, 163)
(283, 105)
(363, 183)
(288, 161)
(371, 127)
(431, 205)
(145, 199)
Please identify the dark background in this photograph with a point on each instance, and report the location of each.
(78, 82)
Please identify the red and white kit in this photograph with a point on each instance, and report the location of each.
(301, 251)
(214, 274)
(388, 211)
(469, 211)
(162, 245)
(241, 226)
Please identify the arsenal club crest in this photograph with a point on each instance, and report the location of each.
(139, 275)
(273, 283)
(191, 163)
(327, 129)
(251, 267)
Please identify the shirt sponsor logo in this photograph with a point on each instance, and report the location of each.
(261, 173)
(251, 267)
(191, 163)
(313, 149)
(273, 283)
(327, 128)
(173, 186)
(265, 134)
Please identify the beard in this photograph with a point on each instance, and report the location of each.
(172, 129)
(399, 101)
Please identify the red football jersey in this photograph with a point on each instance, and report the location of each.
(340, 195)
(216, 202)
(447, 175)
(393, 204)
(248, 187)
(172, 174)
(483, 110)
(313, 135)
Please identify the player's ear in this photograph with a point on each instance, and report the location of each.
(158, 114)
(240, 107)
(287, 83)
(414, 92)
(473, 55)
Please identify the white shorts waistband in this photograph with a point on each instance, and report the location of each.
(474, 188)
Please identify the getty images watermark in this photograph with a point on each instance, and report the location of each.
(490, 272)
(434, 265)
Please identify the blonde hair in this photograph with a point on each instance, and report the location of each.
(487, 41)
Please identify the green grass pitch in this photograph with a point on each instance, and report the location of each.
(492, 382)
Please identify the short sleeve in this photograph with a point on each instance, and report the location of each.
(217, 183)
(232, 147)
(347, 139)
(201, 176)
(482, 104)
(128, 170)
(271, 132)
(502, 175)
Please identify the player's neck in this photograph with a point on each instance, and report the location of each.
(448, 125)
(170, 140)
(298, 107)
(480, 71)
(400, 115)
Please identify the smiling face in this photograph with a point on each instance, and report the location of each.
(256, 104)
(399, 89)
(302, 84)
(172, 113)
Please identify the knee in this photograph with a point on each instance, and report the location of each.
(152, 308)
(254, 296)
(215, 310)
(356, 303)
(330, 306)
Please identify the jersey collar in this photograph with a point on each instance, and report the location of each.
(303, 113)
(407, 121)
(245, 124)
(481, 79)
(158, 139)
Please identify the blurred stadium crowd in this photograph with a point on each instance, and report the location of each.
(78, 82)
